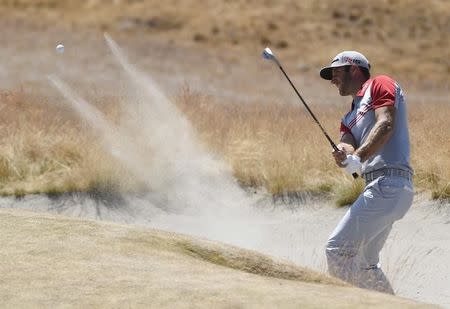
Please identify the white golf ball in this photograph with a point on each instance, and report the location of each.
(60, 48)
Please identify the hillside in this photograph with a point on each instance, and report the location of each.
(406, 38)
(55, 261)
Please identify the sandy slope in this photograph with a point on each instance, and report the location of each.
(54, 261)
(414, 257)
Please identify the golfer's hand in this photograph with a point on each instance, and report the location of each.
(352, 164)
(340, 156)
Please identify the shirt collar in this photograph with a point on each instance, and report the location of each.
(363, 89)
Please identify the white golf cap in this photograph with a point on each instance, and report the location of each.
(348, 57)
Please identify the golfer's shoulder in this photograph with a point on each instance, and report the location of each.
(383, 83)
(383, 80)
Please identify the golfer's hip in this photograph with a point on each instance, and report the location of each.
(391, 195)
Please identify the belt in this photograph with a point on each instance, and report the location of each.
(393, 172)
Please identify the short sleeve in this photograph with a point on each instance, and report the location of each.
(383, 91)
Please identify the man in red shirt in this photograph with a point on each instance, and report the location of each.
(375, 144)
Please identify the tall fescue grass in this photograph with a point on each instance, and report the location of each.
(44, 149)
(279, 147)
(430, 143)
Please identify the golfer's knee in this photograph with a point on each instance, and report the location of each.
(330, 250)
(338, 254)
(334, 255)
(334, 249)
(335, 262)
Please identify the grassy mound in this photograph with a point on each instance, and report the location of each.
(53, 261)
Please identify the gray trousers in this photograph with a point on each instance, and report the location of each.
(354, 246)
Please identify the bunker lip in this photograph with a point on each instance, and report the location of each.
(212, 273)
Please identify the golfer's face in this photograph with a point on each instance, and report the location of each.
(341, 78)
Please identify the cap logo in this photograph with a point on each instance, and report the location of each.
(351, 60)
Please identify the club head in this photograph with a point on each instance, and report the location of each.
(268, 54)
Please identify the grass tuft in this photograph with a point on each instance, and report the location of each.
(348, 192)
(442, 192)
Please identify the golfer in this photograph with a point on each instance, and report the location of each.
(375, 144)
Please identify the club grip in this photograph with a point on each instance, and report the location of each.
(355, 175)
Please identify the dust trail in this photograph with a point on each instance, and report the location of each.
(156, 142)
(115, 142)
(191, 176)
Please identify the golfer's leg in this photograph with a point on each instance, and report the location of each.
(347, 248)
(396, 197)
(371, 276)
(343, 244)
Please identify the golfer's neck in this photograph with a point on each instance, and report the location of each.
(357, 87)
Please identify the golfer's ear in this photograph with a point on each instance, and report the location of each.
(354, 68)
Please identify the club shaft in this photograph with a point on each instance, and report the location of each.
(309, 110)
(335, 148)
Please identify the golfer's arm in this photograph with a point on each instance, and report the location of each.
(380, 133)
(347, 143)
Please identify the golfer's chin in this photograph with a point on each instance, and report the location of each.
(343, 92)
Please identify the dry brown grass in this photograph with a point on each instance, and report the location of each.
(279, 147)
(430, 145)
(275, 146)
(43, 149)
(272, 145)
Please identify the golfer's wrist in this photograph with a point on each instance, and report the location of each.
(356, 153)
(347, 148)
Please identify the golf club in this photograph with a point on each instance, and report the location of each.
(268, 54)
